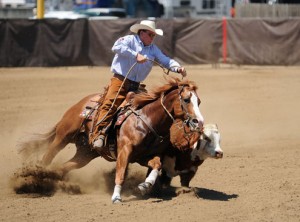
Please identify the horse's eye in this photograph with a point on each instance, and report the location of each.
(188, 100)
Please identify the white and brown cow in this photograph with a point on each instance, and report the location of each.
(185, 163)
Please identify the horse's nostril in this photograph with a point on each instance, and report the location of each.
(195, 121)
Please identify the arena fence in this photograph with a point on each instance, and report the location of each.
(267, 11)
(53, 42)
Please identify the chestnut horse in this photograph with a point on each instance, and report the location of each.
(137, 139)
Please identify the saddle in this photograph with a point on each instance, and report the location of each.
(89, 115)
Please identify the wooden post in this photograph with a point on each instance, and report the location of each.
(224, 27)
(40, 9)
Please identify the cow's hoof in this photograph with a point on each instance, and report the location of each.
(183, 190)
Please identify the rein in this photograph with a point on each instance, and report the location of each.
(162, 97)
(161, 138)
(157, 63)
(113, 103)
(187, 121)
(162, 104)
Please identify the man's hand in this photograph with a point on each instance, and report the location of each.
(182, 71)
(140, 58)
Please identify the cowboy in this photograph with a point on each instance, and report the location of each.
(129, 50)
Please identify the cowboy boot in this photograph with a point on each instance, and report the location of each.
(98, 143)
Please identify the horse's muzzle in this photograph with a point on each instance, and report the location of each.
(195, 125)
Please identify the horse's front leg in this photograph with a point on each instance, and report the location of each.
(121, 168)
(146, 186)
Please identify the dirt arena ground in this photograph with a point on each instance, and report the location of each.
(257, 111)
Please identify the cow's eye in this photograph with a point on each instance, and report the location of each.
(207, 138)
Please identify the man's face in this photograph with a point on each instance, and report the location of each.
(147, 37)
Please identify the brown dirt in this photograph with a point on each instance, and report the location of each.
(257, 111)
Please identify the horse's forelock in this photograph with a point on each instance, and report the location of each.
(191, 84)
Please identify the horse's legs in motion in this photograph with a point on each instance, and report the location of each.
(81, 158)
(122, 163)
(146, 186)
(64, 131)
(121, 167)
(57, 145)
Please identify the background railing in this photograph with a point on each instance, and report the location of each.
(59, 42)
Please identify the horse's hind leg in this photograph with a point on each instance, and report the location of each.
(65, 130)
(57, 145)
(81, 158)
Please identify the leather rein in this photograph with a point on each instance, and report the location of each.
(185, 122)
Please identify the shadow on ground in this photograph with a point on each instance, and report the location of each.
(213, 194)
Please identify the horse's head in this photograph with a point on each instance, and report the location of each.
(189, 106)
(182, 137)
(209, 143)
(179, 100)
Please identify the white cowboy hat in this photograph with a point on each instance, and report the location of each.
(147, 25)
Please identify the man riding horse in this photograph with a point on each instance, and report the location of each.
(141, 135)
(130, 49)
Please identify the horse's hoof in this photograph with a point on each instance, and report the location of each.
(116, 200)
(145, 187)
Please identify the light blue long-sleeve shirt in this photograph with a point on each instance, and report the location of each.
(126, 49)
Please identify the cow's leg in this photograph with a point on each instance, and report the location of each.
(185, 179)
(146, 186)
(165, 180)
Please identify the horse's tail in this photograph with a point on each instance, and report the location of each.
(34, 147)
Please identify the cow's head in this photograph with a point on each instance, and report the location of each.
(209, 143)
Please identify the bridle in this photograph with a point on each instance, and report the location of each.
(186, 121)
(189, 121)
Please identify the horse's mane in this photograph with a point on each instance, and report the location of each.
(143, 98)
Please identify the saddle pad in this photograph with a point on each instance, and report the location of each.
(122, 117)
(87, 113)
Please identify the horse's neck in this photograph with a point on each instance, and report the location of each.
(156, 113)
(170, 100)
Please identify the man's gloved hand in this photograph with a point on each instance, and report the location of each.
(140, 58)
(182, 71)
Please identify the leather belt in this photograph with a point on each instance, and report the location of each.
(131, 85)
